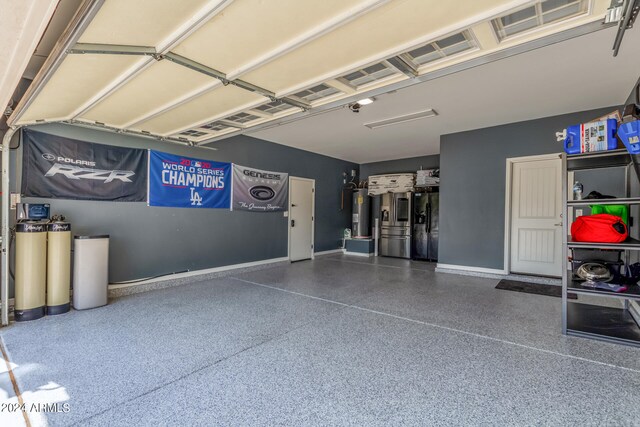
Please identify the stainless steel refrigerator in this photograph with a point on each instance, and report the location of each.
(426, 224)
(395, 225)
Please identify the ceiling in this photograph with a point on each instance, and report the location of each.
(215, 68)
(21, 26)
(574, 75)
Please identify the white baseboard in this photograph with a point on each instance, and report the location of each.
(470, 269)
(200, 272)
(357, 253)
(494, 273)
(332, 251)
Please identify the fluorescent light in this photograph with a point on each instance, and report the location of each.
(365, 101)
(402, 119)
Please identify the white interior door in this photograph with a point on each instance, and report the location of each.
(301, 218)
(536, 217)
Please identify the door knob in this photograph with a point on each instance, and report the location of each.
(293, 222)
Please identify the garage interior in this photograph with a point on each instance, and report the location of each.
(393, 239)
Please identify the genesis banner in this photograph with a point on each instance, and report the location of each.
(58, 167)
(183, 182)
(258, 190)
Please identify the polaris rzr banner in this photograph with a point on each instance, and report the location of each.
(259, 191)
(63, 168)
(183, 182)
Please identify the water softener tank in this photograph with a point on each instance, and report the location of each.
(31, 270)
(58, 267)
(361, 209)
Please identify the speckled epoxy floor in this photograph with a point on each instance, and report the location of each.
(335, 341)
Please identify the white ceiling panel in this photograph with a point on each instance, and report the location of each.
(21, 26)
(78, 79)
(140, 22)
(266, 28)
(162, 84)
(214, 104)
(381, 33)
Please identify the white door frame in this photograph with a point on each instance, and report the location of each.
(507, 198)
(313, 217)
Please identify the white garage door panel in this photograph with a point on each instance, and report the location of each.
(158, 85)
(140, 22)
(76, 81)
(281, 46)
(275, 23)
(384, 29)
(200, 110)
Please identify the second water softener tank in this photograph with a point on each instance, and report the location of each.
(58, 267)
(361, 211)
(31, 270)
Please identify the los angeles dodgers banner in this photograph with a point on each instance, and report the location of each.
(259, 190)
(184, 182)
(64, 168)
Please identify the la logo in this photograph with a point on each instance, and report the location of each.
(196, 199)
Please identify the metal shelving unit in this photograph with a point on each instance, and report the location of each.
(609, 324)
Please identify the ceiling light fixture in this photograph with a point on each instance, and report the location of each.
(402, 119)
(355, 107)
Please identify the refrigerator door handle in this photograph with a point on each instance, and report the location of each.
(393, 214)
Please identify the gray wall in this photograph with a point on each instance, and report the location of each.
(147, 241)
(632, 96)
(473, 174)
(411, 164)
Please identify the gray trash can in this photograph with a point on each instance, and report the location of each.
(90, 271)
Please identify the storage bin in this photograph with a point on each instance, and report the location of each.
(629, 134)
(593, 136)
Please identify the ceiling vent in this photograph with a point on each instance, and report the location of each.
(402, 119)
(540, 14)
